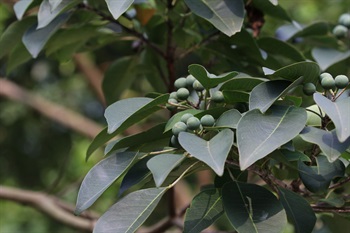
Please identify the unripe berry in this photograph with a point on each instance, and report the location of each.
(190, 80)
(175, 142)
(323, 75)
(344, 19)
(185, 117)
(193, 123)
(179, 127)
(197, 86)
(207, 120)
(309, 88)
(341, 81)
(182, 93)
(218, 97)
(173, 95)
(180, 82)
(340, 31)
(328, 83)
(171, 101)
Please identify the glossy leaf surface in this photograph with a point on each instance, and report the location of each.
(227, 16)
(128, 214)
(100, 177)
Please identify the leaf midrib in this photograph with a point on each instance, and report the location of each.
(205, 2)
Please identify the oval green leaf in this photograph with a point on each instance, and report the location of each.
(339, 112)
(100, 177)
(281, 124)
(117, 8)
(128, 214)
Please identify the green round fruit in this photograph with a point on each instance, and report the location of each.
(193, 123)
(180, 82)
(207, 120)
(197, 86)
(218, 97)
(175, 142)
(344, 19)
(173, 95)
(341, 81)
(171, 101)
(182, 93)
(309, 88)
(328, 83)
(190, 80)
(185, 117)
(178, 128)
(323, 75)
(340, 31)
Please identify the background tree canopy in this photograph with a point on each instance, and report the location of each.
(202, 111)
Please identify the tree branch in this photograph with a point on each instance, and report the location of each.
(49, 109)
(49, 205)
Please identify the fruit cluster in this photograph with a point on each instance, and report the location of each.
(327, 82)
(185, 87)
(190, 123)
(342, 29)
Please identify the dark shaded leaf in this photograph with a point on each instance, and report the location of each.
(206, 207)
(298, 210)
(252, 208)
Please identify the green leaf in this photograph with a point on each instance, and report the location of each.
(206, 79)
(18, 56)
(226, 16)
(54, 3)
(272, 9)
(118, 78)
(162, 165)
(46, 13)
(339, 112)
(138, 173)
(281, 124)
(20, 8)
(11, 37)
(252, 208)
(213, 152)
(264, 95)
(315, 29)
(117, 8)
(138, 140)
(326, 57)
(317, 179)
(229, 119)
(242, 84)
(206, 207)
(326, 140)
(309, 70)
(100, 177)
(314, 119)
(298, 210)
(277, 47)
(138, 113)
(128, 214)
(35, 40)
